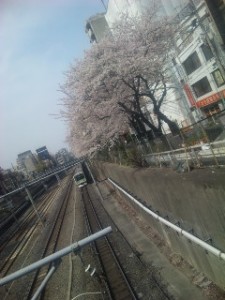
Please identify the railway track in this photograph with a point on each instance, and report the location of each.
(112, 277)
(38, 193)
(154, 281)
(21, 235)
(24, 219)
(43, 244)
(49, 247)
(116, 279)
(150, 284)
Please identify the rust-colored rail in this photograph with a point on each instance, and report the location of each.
(50, 246)
(117, 282)
(23, 233)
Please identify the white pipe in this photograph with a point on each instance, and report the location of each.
(188, 235)
(34, 207)
(55, 256)
(44, 282)
(87, 293)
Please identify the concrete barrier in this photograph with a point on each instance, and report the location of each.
(195, 201)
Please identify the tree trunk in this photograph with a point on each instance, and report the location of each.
(138, 127)
(140, 130)
(172, 125)
(141, 118)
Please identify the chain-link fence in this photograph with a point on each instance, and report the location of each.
(200, 144)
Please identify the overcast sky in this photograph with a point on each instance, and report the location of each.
(38, 41)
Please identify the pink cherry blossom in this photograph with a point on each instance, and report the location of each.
(104, 93)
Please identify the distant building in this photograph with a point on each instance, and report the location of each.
(8, 182)
(43, 153)
(62, 156)
(44, 158)
(26, 163)
(96, 27)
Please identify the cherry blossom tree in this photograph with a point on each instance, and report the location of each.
(105, 91)
(94, 118)
(139, 52)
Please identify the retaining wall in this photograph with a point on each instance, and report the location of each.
(196, 200)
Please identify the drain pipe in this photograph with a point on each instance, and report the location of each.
(176, 228)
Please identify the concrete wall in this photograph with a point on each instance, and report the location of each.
(195, 199)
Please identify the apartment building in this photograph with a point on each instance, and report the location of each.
(63, 156)
(26, 163)
(96, 27)
(175, 105)
(198, 60)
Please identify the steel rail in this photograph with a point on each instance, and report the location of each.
(160, 287)
(52, 240)
(26, 221)
(27, 232)
(117, 281)
(55, 256)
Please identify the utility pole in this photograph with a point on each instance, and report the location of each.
(34, 207)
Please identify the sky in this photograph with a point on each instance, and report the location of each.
(39, 39)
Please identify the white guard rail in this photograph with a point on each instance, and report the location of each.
(176, 228)
(55, 257)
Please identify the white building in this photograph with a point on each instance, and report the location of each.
(116, 9)
(96, 27)
(62, 156)
(26, 163)
(198, 62)
(175, 105)
(197, 59)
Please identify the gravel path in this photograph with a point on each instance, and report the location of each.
(142, 279)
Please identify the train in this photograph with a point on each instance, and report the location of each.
(79, 176)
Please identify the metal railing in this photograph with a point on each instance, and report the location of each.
(182, 232)
(55, 259)
(205, 154)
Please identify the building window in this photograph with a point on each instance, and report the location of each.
(218, 77)
(207, 51)
(202, 87)
(192, 63)
(211, 110)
